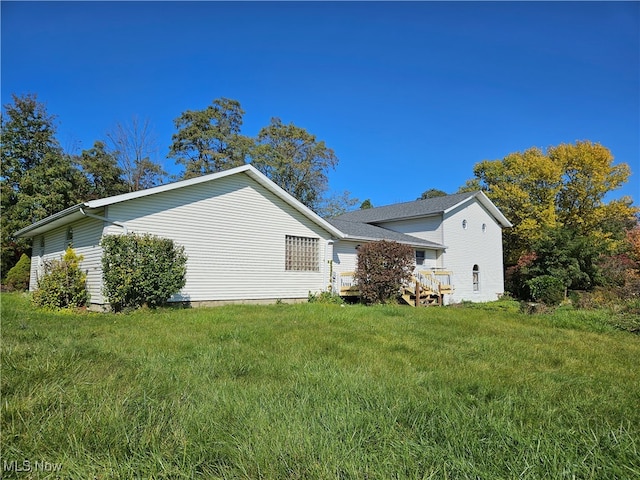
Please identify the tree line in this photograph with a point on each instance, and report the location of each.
(566, 227)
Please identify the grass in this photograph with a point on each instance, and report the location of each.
(320, 392)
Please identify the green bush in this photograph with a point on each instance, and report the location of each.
(546, 289)
(325, 297)
(141, 270)
(18, 276)
(63, 284)
(382, 269)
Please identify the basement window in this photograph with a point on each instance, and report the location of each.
(302, 254)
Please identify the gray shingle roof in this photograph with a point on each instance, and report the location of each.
(430, 206)
(364, 231)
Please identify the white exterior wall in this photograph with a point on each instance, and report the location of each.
(87, 234)
(233, 231)
(54, 247)
(345, 256)
(86, 242)
(471, 246)
(427, 228)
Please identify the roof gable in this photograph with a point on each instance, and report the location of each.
(422, 208)
(78, 211)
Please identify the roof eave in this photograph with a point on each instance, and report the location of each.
(62, 217)
(360, 238)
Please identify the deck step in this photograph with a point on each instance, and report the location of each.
(409, 299)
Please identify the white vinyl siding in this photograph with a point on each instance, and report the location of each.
(233, 231)
(54, 248)
(345, 256)
(87, 234)
(37, 261)
(86, 242)
(474, 246)
(427, 228)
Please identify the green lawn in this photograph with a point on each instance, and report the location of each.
(319, 391)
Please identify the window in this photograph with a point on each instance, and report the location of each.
(42, 246)
(69, 237)
(302, 254)
(476, 278)
(419, 257)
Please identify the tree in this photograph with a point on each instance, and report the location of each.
(569, 257)
(564, 187)
(588, 174)
(524, 186)
(366, 205)
(382, 269)
(337, 204)
(38, 179)
(103, 175)
(134, 146)
(18, 277)
(295, 160)
(209, 140)
(556, 202)
(432, 193)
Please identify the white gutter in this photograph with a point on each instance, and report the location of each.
(104, 219)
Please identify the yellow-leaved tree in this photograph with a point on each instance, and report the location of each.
(564, 188)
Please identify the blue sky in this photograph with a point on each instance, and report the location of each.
(409, 95)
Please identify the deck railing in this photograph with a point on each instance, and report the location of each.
(344, 283)
(437, 281)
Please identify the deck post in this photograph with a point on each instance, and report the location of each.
(417, 293)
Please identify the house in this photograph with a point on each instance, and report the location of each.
(457, 240)
(247, 240)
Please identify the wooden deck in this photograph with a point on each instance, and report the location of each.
(426, 287)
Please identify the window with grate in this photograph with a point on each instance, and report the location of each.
(302, 254)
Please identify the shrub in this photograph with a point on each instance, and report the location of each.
(383, 267)
(18, 276)
(325, 297)
(63, 283)
(141, 270)
(547, 289)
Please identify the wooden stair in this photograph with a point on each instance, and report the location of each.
(427, 288)
(418, 295)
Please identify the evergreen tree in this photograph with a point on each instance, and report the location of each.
(38, 179)
(209, 140)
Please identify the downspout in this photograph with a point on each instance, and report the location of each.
(104, 219)
(328, 257)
